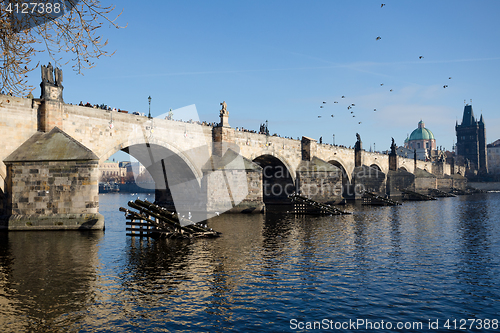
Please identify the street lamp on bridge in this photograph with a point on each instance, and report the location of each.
(149, 100)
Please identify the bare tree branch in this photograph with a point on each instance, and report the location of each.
(25, 34)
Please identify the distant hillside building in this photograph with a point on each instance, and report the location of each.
(422, 140)
(494, 158)
(471, 140)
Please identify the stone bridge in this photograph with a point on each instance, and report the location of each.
(50, 154)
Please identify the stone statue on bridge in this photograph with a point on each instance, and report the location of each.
(58, 76)
(358, 145)
(52, 75)
(357, 151)
(51, 86)
(223, 111)
(393, 147)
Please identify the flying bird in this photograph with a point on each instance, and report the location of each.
(378, 38)
(319, 116)
(353, 104)
(381, 84)
(359, 122)
(335, 102)
(390, 90)
(449, 78)
(353, 116)
(445, 86)
(332, 115)
(382, 5)
(324, 102)
(420, 57)
(343, 96)
(374, 110)
(321, 107)
(349, 107)
(352, 112)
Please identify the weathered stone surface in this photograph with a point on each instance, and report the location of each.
(369, 179)
(232, 183)
(53, 146)
(459, 181)
(319, 181)
(399, 180)
(424, 181)
(309, 147)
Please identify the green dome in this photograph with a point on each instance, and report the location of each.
(421, 133)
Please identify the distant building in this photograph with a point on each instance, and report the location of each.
(494, 158)
(471, 140)
(404, 152)
(422, 140)
(111, 169)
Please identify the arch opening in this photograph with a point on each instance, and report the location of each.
(172, 178)
(346, 181)
(376, 167)
(175, 183)
(277, 182)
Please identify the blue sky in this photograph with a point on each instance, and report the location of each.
(280, 60)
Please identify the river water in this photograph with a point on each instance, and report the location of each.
(411, 266)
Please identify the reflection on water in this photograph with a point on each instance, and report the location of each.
(44, 275)
(419, 261)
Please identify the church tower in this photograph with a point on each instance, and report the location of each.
(471, 140)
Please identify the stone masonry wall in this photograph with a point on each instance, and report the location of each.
(422, 185)
(63, 187)
(18, 122)
(249, 193)
(47, 188)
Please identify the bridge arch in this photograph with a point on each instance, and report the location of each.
(150, 151)
(278, 181)
(376, 166)
(282, 160)
(403, 168)
(177, 174)
(346, 178)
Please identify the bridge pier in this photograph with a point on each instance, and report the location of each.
(232, 184)
(316, 179)
(52, 183)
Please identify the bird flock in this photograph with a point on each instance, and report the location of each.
(350, 106)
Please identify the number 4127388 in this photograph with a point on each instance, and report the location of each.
(33, 8)
(470, 324)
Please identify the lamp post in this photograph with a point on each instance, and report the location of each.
(334, 139)
(149, 100)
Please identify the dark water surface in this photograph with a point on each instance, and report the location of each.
(436, 260)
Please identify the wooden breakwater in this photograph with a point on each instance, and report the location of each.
(146, 219)
(303, 205)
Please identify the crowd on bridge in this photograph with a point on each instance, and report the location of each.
(262, 130)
